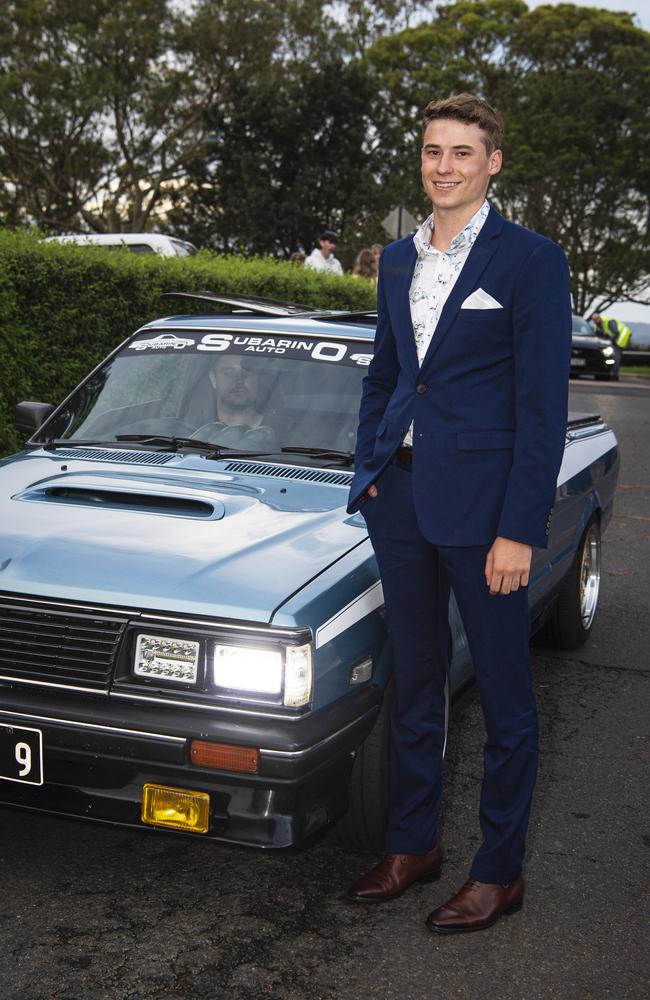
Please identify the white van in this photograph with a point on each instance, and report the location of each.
(166, 246)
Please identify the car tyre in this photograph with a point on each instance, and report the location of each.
(571, 620)
(363, 827)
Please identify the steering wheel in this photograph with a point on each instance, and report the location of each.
(171, 426)
(238, 436)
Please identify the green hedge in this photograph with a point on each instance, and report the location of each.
(63, 308)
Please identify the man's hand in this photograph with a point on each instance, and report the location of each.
(507, 566)
(372, 491)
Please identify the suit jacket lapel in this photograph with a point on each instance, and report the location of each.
(478, 258)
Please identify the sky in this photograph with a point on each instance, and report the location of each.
(629, 312)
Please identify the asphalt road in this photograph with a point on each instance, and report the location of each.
(93, 913)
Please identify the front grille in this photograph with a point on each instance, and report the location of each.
(52, 644)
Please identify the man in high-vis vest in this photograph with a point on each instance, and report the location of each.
(615, 329)
(618, 333)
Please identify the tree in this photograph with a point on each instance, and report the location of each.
(572, 84)
(461, 49)
(51, 154)
(287, 158)
(102, 106)
(248, 124)
(577, 164)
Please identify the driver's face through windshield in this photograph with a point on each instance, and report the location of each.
(237, 390)
(236, 384)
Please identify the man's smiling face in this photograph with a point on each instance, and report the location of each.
(456, 167)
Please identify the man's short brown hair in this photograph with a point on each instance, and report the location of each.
(471, 110)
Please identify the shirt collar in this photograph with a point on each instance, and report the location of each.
(464, 240)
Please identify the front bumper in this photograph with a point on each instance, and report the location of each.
(98, 754)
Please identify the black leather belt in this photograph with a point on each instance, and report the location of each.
(404, 457)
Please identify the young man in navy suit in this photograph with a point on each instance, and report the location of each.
(460, 440)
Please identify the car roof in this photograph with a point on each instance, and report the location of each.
(254, 314)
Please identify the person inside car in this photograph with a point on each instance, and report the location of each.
(239, 422)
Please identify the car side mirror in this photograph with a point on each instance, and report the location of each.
(30, 416)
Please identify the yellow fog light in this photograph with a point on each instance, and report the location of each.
(176, 808)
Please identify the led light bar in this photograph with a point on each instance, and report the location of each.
(165, 658)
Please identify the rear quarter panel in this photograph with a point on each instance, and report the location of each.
(586, 485)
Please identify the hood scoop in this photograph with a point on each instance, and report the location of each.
(125, 494)
(290, 472)
(117, 455)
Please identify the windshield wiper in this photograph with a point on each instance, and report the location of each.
(174, 443)
(346, 457)
(168, 440)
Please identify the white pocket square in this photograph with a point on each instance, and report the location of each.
(480, 300)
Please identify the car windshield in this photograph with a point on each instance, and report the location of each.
(258, 393)
(582, 328)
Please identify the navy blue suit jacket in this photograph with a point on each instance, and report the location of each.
(490, 399)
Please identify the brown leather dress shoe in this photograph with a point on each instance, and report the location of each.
(476, 906)
(394, 874)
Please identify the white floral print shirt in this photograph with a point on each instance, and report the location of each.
(435, 274)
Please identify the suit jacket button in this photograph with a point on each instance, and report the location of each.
(420, 389)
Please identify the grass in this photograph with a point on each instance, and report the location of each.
(636, 370)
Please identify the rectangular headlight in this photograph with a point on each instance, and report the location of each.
(279, 674)
(245, 668)
(161, 657)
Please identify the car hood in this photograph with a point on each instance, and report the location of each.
(188, 538)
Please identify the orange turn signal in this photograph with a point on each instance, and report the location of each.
(224, 757)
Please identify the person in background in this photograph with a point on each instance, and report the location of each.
(365, 266)
(297, 258)
(617, 331)
(322, 257)
(376, 252)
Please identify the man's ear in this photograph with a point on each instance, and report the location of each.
(496, 162)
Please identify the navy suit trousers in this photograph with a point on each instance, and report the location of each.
(416, 578)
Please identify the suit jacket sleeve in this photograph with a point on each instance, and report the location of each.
(542, 358)
(379, 383)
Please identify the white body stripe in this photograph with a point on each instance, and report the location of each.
(348, 616)
(581, 452)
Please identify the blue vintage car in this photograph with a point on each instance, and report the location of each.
(193, 630)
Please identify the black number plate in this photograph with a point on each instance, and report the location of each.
(21, 754)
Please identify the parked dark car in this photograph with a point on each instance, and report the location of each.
(592, 353)
(192, 628)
